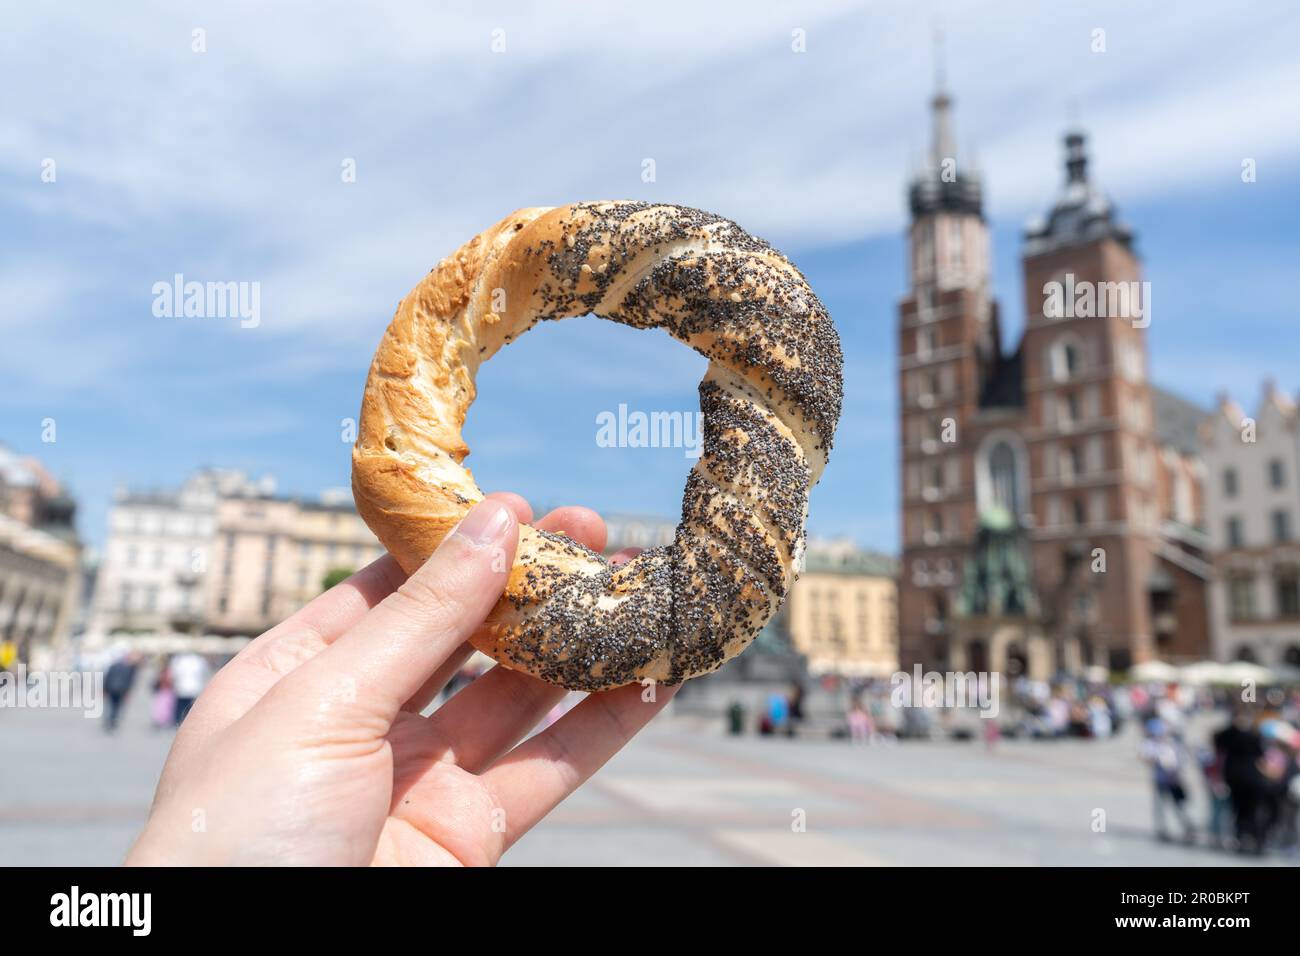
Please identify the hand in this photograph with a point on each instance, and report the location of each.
(309, 748)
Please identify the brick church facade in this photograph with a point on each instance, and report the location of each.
(1051, 495)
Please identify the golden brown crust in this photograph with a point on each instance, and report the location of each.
(771, 400)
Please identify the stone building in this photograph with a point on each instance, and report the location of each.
(1051, 495)
(158, 552)
(272, 555)
(842, 612)
(1252, 495)
(40, 561)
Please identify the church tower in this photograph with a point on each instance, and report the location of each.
(1090, 424)
(948, 350)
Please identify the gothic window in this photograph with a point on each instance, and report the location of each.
(1065, 359)
(1000, 476)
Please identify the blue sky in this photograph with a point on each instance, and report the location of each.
(225, 166)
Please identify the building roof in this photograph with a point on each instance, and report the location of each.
(943, 183)
(1005, 387)
(852, 561)
(15, 470)
(1082, 212)
(1178, 421)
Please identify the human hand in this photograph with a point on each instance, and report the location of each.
(309, 747)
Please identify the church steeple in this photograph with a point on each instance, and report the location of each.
(1082, 212)
(944, 183)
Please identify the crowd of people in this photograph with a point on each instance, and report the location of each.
(1249, 769)
(178, 681)
(1245, 771)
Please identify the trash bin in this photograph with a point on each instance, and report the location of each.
(736, 718)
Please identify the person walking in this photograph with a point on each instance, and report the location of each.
(162, 707)
(190, 673)
(1166, 756)
(1242, 749)
(118, 680)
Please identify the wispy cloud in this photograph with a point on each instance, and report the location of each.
(226, 165)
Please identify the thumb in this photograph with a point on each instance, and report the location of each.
(394, 649)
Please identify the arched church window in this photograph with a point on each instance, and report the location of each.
(1003, 470)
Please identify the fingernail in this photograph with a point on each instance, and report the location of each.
(486, 523)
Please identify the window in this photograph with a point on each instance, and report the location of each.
(1234, 533)
(1286, 591)
(1241, 598)
(925, 343)
(1069, 409)
(924, 264)
(1080, 515)
(1276, 474)
(1281, 526)
(955, 242)
(926, 303)
(1230, 482)
(1004, 478)
(936, 479)
(124, 597)
(1074, 461)
(1065, 360)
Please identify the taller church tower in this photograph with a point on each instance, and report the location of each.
(948, 348)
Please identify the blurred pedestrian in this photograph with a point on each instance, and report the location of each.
(1165, 754)
(1240, 746)
(118, 680)
(1099, 719)
(777, 715)
(162, 706)
(992, 731)
(861, 728)
(1219, 798)
(795, 715)
(190, 673)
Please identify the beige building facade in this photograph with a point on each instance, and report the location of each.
(40, 562)
(1252, 495)
(842, 613)
(157, 555)
(272, 555)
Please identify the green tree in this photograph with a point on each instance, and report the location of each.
(334, 576)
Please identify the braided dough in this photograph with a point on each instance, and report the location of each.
(771, 400)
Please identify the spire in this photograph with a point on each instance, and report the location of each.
(942, 183)
(1082, 212)
(1076, 157)
(941, 140)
